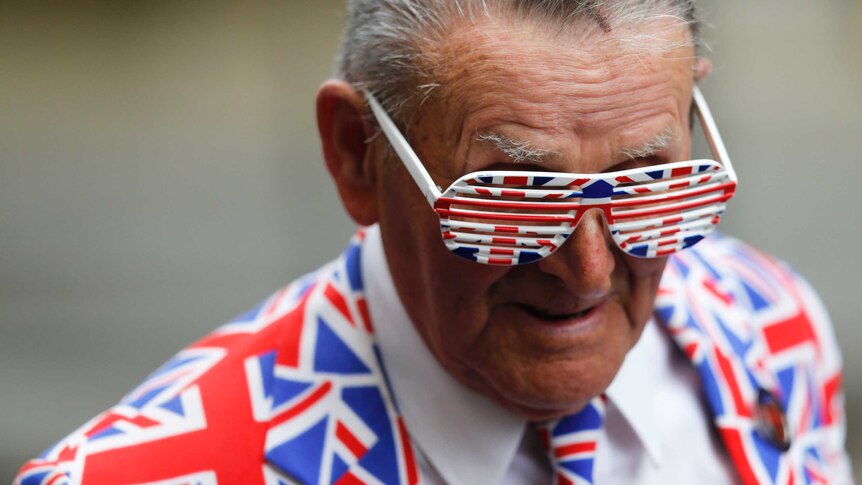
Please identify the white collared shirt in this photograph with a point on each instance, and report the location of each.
(657, 430)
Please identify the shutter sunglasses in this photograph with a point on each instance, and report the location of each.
(507, 217)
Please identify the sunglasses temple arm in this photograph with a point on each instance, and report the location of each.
(405, 153)
(716, 145)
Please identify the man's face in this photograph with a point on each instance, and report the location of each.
(542, 338)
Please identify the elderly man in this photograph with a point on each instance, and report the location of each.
(522, 306)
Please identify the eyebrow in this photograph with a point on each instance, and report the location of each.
(658, 142)
(521, 151)
(518, 151)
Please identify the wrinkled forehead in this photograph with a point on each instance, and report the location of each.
(496, 64)
(552, 85)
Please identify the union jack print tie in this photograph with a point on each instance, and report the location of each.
(571, 443)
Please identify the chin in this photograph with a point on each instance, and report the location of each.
(550, 393)
(544, 409)
(538, 415)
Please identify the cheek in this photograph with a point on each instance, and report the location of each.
(410, 231)
(459, 293)
(444, 295)
(644, 279)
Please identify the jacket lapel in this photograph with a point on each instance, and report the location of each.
(333, 418)
(734, 316)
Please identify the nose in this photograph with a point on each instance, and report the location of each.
(585, 262)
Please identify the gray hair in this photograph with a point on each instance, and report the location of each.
(382, 49)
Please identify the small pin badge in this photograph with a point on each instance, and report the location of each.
(770, 420)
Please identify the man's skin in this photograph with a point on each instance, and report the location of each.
(544, 338)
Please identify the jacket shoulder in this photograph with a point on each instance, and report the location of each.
(759, 296)
(200, 417)
(758, 333)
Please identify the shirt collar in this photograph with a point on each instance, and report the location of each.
(456, 428)
(635, 384)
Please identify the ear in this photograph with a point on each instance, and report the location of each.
(702, 68)
(349, 159)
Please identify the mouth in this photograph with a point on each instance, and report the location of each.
(556, 317)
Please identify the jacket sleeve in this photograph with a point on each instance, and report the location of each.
(828, 375)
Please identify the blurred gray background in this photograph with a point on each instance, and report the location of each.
(159, 173)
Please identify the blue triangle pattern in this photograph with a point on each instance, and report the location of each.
(339, 468)
(109, 431)
(587, 418)
(175, 406)
(598, 190)
(665, 314)
(639, 250)
(786, 378)
(286, 389)
(333, 355)
(382, 459)
(467, 253)
(739, 347)
(690, 322)
(582, 467)
(756, 299)
(354, 266)
(35, 479)
(266, 363)
(691, 241)
(769, 455)
(528, 257)
(710, 388)
(301, 457)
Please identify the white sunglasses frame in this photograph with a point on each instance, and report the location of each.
(433, 192)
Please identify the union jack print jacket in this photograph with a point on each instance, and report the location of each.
(295, 390)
